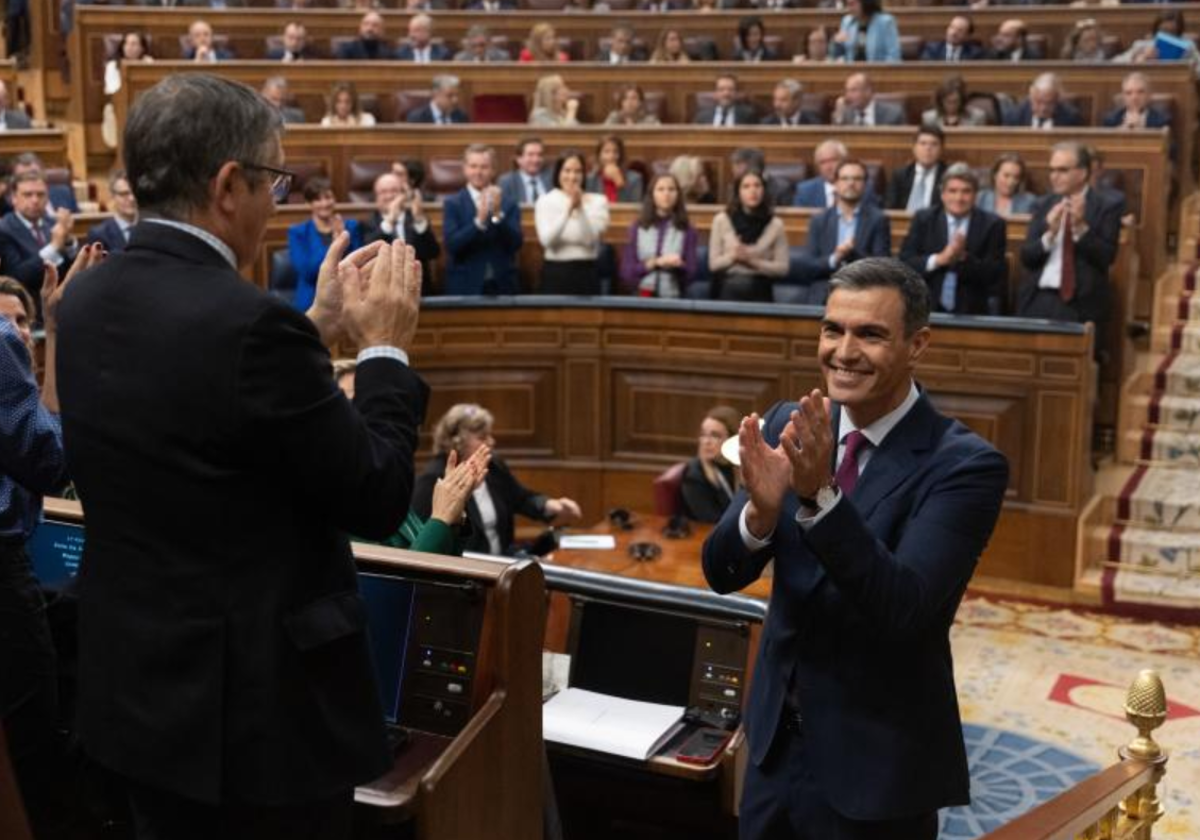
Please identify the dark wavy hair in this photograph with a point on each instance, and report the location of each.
(649, 213)
(562, 161)
(767, 208)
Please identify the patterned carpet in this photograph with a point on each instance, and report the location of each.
(1042, 690)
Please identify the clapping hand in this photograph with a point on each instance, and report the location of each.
(382, 299)
(53, 290)
(456, 485)
(807, 442)
(326, 309)
(562, 511)
(766, 473)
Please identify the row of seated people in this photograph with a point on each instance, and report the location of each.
(555, 105)
(866, 35)
(956, 244)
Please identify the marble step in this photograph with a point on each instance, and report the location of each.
(1169, 447)
(1161, 498)
(1164, 552)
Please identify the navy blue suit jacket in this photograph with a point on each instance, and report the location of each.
(982, 274)
(20, 253)
(424, 114)
(971, 51)
(473, 254)
(860, 615)
(437, 52)
(873, 238)
(1154, 118)
(811, 193)
(360, 50)
(1064, 115)
(109, 234)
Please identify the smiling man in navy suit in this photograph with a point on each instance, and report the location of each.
(875, 509)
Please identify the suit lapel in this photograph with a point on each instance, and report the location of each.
(896, 459)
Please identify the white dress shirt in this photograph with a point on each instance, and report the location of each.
(1051, 277)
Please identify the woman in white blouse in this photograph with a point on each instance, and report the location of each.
(570, 225)
(132, 47)
(344, 108)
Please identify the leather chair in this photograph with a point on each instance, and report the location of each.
(499, 108)
(281, 281)
(360, 180)
(666, 490)
(444, 176)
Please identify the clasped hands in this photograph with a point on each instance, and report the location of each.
(800, 462)
(371, 297)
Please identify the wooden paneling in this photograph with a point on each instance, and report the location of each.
(49, 144)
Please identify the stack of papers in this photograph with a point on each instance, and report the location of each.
(613, 725)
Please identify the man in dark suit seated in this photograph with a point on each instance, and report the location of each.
(114, 233)
(61, 196)
(959, 249)
(295, 45)
(30, 237)
(370, 44)
(1072, 241)
(858, 106)
(850, 230)
(11, 119)
(958, 45)
(915, 187)
(442, 108)
(1044, 107)
(420, 47)
(400, 215)
(225, 675)
(482, 231)
(201, 48)
(785, 103)
(275, 91)
(726, 110)
(620, 49)
(875, 508)
(1011, 42)
(477, 47)
(491, 6)
(1135, 111)
(531, 179)
(820, 191)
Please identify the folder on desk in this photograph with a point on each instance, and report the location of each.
(613, 725)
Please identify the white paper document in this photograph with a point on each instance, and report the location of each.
(614, 725)
(603, 542)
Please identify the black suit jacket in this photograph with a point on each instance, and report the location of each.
(19, 253)
(743, 114)
(982, 274)
(1094, 254)
(509, 497)
(701, 501)
(900, 184)
(860, 615)
(1064, 116)
(223, 650)
(936, 51)
(806, 118)
(424, 114)
(425, 244)
(360, 50)
(109, 234)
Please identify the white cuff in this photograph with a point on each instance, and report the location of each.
(752, 542)
(931, 263)
(387, 226)
(421, 225)
(382, 352)
(805, 522)
(51, 255)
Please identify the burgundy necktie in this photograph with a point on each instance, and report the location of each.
(38, 235)
(1066, 288)
(847, 471)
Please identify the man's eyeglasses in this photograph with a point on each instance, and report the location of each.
(281, 180)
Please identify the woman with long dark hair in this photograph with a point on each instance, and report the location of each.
(866, 33)
(747, 249)
(659, 259)
(570, 225)
(709, 481)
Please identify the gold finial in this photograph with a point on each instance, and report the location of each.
(1145, 708)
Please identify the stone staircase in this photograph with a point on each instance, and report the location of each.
(1139, 539)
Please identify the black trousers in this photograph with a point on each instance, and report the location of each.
(570, 277)
(162, 815)
(781, 801)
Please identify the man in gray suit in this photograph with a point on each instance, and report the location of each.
(275, 91)
(858, 106)
(531, 179)
(477, 48)
(10, 119)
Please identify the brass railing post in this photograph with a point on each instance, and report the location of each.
(1146, 709)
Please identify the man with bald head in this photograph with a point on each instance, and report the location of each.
(420, 47)
(958, 46)
(400, 215)
(1009, 42)
(370, 44)
(857, 105)
(201, 46)
(1045, 108)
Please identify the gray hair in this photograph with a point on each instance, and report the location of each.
(793, 87)
(444, 82)
(1047, 83)
(1082, 152)
(959, 172)
(184, 129)
(890, 273)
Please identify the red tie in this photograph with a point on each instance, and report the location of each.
(847, 471)
(38, 236)
(1066, 289)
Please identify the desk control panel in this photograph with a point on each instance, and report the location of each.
(719, 669)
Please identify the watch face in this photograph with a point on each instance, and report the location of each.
(826, 496)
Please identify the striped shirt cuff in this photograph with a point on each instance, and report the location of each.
(382, 352)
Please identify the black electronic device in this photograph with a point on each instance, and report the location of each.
(703, 746)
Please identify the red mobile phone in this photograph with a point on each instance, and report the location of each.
(703, 746)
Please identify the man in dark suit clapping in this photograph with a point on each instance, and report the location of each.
(482, 230)
(114, 233)
(400, 215)
(225, 674)
(30, 237)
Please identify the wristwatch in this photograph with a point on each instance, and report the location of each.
(826, 496)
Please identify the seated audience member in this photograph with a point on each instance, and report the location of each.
(200, 46)
(295, 45)
(620, 48)
(1168, 22)
(915, 187)
(1007, 195)
(370, 44)
(275, 91)
(958, 44)
(844, 233)
(411, 173)
(553, 104)
(668, 49)
(133, 46)
(400, 214)
(610, 176)
(1084, 42)
(420, 47)
(570, 225)
(659, 259)
(959, 249)
(477, 48)
(491, 6)
(709, 481)
(726, 110)
(442, 108)
(747, 247)
(750, 45)
(857, 105)
(1072, 241)
(309, 241)
(631, 108)
(816, 47)
(950, 109)
(1044, 107)
(785, 103)
(13, 118)
(747, 159)
(692, 177)
(482, 231)
(1010, 43)
(821, 189)
(531, 179)
(31, 237)
(704, 7)
(61, 196)
(494, 504)
(344, 109)
(542, 45)
(113, 233)
(660, 6)
(866, 33)
(1135, 110)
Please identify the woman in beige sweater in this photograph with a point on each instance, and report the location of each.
(747, 249)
